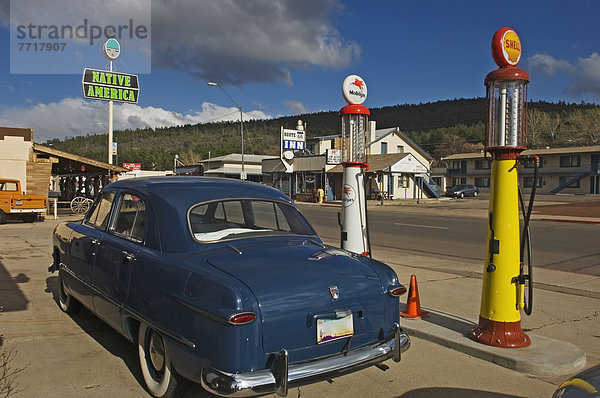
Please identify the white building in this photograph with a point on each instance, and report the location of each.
(398, 168)
(230, 166)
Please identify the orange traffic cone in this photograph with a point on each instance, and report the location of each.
(413, 306)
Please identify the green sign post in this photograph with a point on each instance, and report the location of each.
(110, 86)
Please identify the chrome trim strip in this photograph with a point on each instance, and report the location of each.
(162, 330)
(205, 313)
(269, 381)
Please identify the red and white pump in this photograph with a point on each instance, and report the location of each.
(355, 119)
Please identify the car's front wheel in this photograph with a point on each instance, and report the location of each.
(66, 302)
(462, 195)
(155, 363)
(475, 194)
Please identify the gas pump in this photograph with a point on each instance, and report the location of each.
(504, 279)
(354, 117)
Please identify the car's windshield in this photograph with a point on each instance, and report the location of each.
(240, 218)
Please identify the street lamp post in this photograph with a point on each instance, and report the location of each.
(243, 173)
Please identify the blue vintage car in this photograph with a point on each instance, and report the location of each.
(225, 283)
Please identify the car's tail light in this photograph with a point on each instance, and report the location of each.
(397, 291)
(243, 318)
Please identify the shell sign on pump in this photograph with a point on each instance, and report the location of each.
(506, 47)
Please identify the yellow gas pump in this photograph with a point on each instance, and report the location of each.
(503, 281)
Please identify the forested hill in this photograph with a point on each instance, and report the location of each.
(441, 128)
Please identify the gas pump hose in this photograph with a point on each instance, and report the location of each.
(526, 237)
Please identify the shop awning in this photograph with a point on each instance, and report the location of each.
(377, 163)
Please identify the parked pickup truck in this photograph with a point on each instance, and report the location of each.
(15, 204)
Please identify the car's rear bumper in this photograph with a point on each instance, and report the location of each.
(282, 376)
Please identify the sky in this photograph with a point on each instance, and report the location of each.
(280, 58)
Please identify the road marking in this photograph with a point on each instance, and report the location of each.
(421, 226)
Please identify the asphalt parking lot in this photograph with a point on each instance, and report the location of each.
(75, 356)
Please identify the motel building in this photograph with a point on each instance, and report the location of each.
(398, 168)
(562, 170)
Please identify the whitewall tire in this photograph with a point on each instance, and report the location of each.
(66, 302)
(155, 364)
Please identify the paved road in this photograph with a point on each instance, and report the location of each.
(561, 246)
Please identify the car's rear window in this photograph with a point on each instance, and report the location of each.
(241, 218)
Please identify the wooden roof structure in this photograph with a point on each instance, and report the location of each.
(70, 164)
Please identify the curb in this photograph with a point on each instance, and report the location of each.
(544, 357)
(570, 221)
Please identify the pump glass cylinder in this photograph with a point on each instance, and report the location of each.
(354, 130)
(506, 113)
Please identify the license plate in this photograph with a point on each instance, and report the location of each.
(333, 329)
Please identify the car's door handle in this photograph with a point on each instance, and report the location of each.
(128, 257)
(94, 243)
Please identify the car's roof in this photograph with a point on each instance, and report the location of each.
(171, 197)
(198, 188)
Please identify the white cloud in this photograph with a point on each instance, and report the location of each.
(296, 107)
(586, 78)
(584, 74)
(547, 64)
(76, 116)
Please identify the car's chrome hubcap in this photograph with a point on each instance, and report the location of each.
(157, 351)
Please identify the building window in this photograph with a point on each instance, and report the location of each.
(482, 182)
(400, 149)
(459, 167)
(482, 164)
(528, 182)
(383, 148)
(562, 181)
(530, 164)
(402, 181)
(463, 180)
(570, 161)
